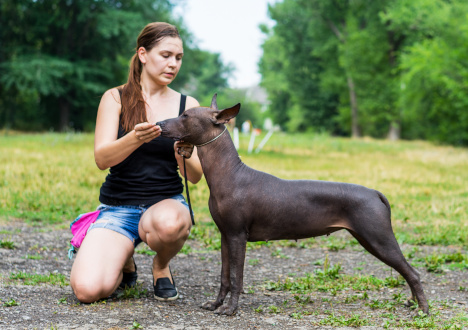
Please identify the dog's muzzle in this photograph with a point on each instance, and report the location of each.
(164, 132)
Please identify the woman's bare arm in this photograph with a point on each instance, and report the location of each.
(108, 150)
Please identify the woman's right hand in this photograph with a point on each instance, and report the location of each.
(145, 132)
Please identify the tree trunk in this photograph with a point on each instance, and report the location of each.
(64, 114)
(355, 129)
(394, 131)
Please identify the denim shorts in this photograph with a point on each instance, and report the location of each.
(124, 219)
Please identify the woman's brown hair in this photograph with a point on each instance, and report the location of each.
(133, 104)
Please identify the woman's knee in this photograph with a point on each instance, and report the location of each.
(171, 226)
(89, 290)
(85, 291)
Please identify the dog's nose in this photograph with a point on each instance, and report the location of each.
(160, 124)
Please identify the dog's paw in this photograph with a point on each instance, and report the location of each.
(226, 310)
(409, 303)
(210, 305)
(420, 311)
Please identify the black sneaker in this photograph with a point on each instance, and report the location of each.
(129, 279)
(164, 290)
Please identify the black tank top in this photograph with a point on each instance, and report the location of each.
(147, 176)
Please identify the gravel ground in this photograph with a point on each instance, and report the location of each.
(47, 306)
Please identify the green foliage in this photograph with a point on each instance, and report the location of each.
(10, 303)
(208, 235)
(438, 262)
(135, 292)
(309, 61)
(136, 325)
(37, 279)
(7, 244)
(368, 66)
(432, 321)
(435, 76)
(354, 320)
(33, 257)
(330, 280)
(253, 262)
(62, 301)
(206, 74)
(58, 57)
(227, 97)
(291, 72)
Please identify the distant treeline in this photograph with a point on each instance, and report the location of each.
(57, 58)
(381, 68)
(396, 68)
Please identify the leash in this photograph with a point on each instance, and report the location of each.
(187, 193)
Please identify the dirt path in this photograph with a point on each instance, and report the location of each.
(46, 306)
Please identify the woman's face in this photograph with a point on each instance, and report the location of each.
(163, 61)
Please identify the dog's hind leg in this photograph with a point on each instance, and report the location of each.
(225, 278)
(379, 240)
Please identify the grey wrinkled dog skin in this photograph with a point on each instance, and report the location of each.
(249, 205)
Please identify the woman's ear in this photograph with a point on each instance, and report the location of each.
(142, 54)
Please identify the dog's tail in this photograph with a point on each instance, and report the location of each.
(385, 201)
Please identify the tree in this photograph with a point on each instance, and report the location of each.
(291, 72)
(338, 53)
(434, 69)
(58, 57)
(204, 75)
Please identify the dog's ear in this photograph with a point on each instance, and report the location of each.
(214, 104)
(223, 116)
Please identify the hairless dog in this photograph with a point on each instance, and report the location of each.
(249, 205)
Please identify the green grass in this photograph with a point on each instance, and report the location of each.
(9, 303)
(33, 256)
(135, 292)
(330, 280)
(437, 263)
(37, 279)
(48, 179)
(7, 244)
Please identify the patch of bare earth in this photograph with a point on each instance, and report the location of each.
(197, 276)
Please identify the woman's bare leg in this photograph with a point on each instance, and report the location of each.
(97, 270)
(165, 227)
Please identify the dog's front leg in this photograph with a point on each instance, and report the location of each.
(225, 281)
(236, 249)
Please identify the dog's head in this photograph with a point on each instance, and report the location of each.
(198, 125)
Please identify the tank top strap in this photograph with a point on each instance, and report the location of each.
(120, 88)
(183, 99)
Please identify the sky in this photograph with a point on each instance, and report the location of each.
(231, 28)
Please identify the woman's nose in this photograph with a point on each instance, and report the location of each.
(173, 62)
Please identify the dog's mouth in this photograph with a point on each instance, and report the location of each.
(166, 133)
(170, 136)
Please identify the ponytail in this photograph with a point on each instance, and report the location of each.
(133, 104)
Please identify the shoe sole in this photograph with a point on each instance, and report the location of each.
(167, 299)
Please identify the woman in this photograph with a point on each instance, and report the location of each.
(142, 195)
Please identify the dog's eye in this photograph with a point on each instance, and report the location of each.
(184, 115)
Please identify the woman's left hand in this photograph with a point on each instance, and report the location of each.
(183, 148)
